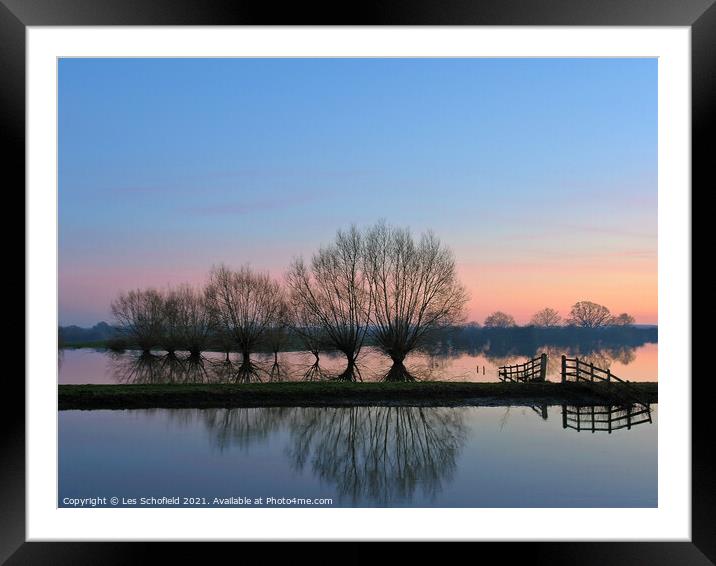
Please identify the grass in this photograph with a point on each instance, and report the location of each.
(342, 394)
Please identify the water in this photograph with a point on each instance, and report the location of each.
(100, 366)
(362, 457)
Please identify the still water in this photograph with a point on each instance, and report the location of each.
(101, 366)
(363, 456)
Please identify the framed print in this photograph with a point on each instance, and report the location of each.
(424, 275)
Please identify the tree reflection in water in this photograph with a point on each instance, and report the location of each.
(243, 371)
(156, 368)
(379, 453)
(314, 371)
(239, 427)
(145, 368)
(243, 427)
(222, 371)
(437, 363)
(196, 370)
(248, 371)
(150, 368)
(624, 354)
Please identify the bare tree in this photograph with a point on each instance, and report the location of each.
(277, 337)
(186, 323)
(145, 368)
(244, 304)
(547, 318)
(306, 326)
(221, 339)
(415, 291)
(139, 316)
(624, 319)
(499, 319)
(170, 337)
(194, 319)
(334, 289)
(589, 315)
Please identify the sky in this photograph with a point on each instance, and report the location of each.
(540, 174)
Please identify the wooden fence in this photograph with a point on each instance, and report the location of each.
(574, 369)
(577, 370)
(532, 370)
(605, 419)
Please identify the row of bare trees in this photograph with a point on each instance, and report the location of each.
(584, 314)
(381, 282)
(174, 319)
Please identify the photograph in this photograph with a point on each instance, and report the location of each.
(357, 282)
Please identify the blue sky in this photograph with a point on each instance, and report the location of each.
(542, 171)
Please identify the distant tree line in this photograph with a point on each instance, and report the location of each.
(583, 314)
(100, 332)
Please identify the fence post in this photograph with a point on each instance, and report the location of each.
(609, 375)
(564, 415)
(591, 371)
(543, 367)
(564, 368)
(576, 368)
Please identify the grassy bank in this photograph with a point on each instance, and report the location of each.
(337, 394)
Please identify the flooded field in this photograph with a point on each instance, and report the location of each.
(84, 366)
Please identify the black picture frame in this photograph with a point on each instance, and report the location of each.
(16, 15)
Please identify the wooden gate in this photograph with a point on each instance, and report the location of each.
(578, 371)
(532, 370)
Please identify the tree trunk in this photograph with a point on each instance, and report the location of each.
(351, 372)
(398, 371)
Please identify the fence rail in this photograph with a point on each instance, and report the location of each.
(532, 370)
(580, 370)
(605, 419)
(574, 369)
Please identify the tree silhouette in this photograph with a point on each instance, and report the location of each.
(306, 326)
(194, 319)
(171, 334)
(623, 319)
(546, 318)
(589, 315)
(335, 292)
(245, 305)
(277, 338)
(139, 315)
(499, 319)
(415, 292)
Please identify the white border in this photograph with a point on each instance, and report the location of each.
(670, 521)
